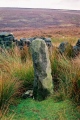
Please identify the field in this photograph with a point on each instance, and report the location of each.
(16, 77)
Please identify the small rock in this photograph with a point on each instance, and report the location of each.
(28, 94)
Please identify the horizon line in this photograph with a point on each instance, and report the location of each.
(41, 8)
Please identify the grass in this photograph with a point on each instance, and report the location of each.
(25, 74)
(17, 75)
(14, 75)
(8, 87)
(46, 110)
(12, 64)
(57, 40)
(66, 76)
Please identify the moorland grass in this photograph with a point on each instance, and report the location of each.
(15, 75)
(66, 75)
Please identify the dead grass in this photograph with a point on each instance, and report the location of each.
(68, 33)
(14, 74)
(76, 61)
(66, 76)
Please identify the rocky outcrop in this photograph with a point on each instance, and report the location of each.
(42, 70)
(27, 41)
(6, 40)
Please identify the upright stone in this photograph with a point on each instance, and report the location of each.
(43, 85)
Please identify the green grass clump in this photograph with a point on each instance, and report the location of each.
(25, 74)
(44, 110)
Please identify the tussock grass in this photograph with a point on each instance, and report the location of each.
(25, 73)
(66, 76)
(14, 74)
(8, 87)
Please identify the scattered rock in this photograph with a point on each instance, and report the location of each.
(7, 39)
(27, 41)
(47, 41)
(28, 94)
(76, 48)
(66, 49)
(63, 46)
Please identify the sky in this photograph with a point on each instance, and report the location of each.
(51, 4)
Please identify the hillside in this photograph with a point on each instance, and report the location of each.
(21, 18)
(23, 22)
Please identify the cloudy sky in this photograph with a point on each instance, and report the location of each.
(53, 4)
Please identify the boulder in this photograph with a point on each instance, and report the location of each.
(23, 42)
(76, 48)
(62, 47)
(28, 42)
(43, 85)
(6, 39)
(48, 42)
(66, 49)
(5, 34)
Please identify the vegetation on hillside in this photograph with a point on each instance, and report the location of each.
(37, 18)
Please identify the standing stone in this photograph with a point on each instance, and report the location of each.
(42, 70)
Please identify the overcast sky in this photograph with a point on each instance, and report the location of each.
(53, 4)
